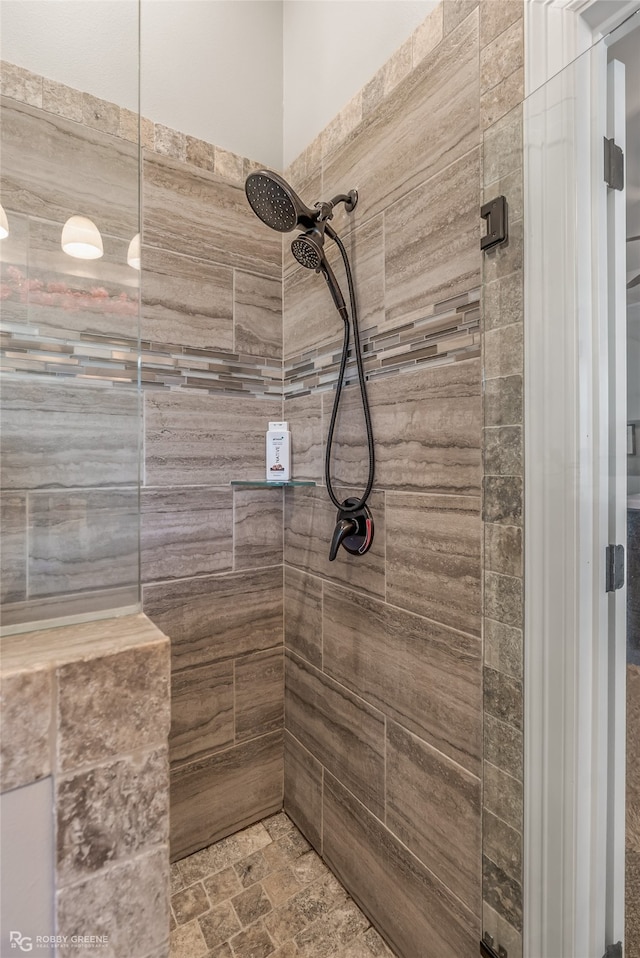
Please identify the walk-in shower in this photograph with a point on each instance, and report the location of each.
(278, 206)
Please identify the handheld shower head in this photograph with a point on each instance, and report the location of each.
(276, 203)
(308, 249)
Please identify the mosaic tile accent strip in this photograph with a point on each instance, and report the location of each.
(38, 350)
(450, 332)
(261, 892)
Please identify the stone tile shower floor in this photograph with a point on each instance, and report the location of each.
(264, 892)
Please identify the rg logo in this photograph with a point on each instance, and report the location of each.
(20, 941)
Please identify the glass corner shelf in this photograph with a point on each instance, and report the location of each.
(263, 484)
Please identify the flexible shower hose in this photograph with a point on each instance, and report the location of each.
(363, 390)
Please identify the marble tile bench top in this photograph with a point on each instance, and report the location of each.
(51, 648)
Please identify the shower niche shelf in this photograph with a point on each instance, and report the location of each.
(258, 484)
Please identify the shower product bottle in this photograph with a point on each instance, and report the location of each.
(278, 452)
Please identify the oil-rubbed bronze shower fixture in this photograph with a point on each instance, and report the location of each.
(277, 204)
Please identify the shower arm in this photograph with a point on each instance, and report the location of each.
(325, 209)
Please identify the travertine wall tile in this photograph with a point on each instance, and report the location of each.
(503, 796)
(503, 350)
(257, 315)
(109, 813)
(100, 115)
(210, 618)
(424, 676)
(186, 301)
(309, 521)
(501, 57)
(303, 789)
(428, 34)
(13, 555)
(20, 84)
(503, 401)
(455, 12)
(48, 161)
(185, 531)
(304, 415)
(502, 499)
(427, 427)
(433, 806)
(340, 729)
(503, 451)
(27, 733)
(202, 711)
(62, 100)
(169, 142)
(433, 558)
(431, 242)
(78, 540)
(197, 213)
(503, 646)
(503, 598)
(76, 436)
(191, 438)
(112, 705)
(303, 615)
(224, 792)
(503, 697)
(257, 528)
(412, 135)
(503, 549)
(502, 893)
(496, 16)
(229, 165)
(502, 301)
(409, 904)
(200, 154)
(259, 699)
(128, 903)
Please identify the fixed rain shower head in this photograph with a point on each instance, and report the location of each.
(276, 203)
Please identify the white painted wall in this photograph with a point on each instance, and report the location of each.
(258, 77)
(92, 45)
(331, 49)
(213, 68)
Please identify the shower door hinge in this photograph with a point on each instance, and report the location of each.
(614, 574)
(495, 213)
(613, 165)
(613, 951)
(487, 949)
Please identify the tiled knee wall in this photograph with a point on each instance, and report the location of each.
(89, 705)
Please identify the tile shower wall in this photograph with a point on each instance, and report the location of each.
(384, 763)
(72, 702)
(383, 695)
(212, 555)
(502, 41)
(211, 343)
(69, 436)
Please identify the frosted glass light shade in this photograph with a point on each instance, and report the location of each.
(81, 238)
(4, 224)
(133, 253)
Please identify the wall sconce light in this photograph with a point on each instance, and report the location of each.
(133, 253)
(81, 238)
(4, 224)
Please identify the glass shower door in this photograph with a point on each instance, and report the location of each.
(69, 301)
